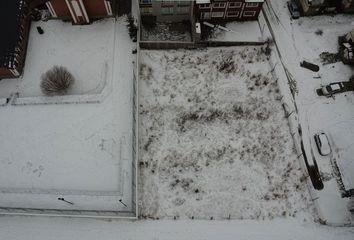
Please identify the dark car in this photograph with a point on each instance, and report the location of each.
(293, 9)
(330, 89)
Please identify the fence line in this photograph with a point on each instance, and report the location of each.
(156, 45)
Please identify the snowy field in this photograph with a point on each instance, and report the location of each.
(306, 39)
(86, 51)
(214, 142)
(81, 152)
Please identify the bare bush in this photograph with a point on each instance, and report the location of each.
(319, 32)
(56, 81)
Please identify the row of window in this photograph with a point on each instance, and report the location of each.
(167, 10)
(166, 1)
(209, 15)
(230, 5)
(208, 5)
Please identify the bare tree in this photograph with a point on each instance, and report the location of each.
(56, 81)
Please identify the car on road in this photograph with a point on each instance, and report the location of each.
(322, 143)
(293, 9)
(330, 89)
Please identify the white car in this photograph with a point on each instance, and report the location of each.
(331, 89)
(323, 146)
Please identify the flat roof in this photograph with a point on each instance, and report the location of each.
(10, 25)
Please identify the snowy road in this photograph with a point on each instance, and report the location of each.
(305, 39)
(21, 228)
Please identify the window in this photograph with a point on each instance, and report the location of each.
(233, 14)
(166, 3)
(183, 9)
(251, 5)
(167, 10)
(249, 13)
(235, 4)
(146, 10)
(203, 6)
(205, 15)
(183, 3)
(219, 5)
(145, 1)
(217, 14)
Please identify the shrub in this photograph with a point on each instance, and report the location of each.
(133, 29)
(56, 81)
(319, 32)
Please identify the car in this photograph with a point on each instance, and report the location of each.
(322, 143)
(293, 9)
(330, 89)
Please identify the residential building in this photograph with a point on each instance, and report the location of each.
(81, 11)
(211, 10)
(228, 10)
(165, 10)
(14, 23)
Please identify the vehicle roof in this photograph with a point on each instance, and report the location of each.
(323, 136)
(335, 86)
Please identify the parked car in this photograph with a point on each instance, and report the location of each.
(322, 143)
(293, 9)
(330, 89)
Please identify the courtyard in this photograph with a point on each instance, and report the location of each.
(81, 153)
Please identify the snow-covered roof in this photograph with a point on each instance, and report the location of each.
(11, 13)
(202, 1)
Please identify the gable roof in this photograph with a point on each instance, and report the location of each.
(11, 14)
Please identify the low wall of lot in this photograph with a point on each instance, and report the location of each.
(155, 45)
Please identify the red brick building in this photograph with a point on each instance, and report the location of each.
(81, 11)
(228, 10)
(14, 24)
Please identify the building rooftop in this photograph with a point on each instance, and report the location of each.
(11, 13)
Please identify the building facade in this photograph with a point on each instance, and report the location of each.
(14, 22)
(81, 11)
(166, 11)
(231, 10)
(211, 10)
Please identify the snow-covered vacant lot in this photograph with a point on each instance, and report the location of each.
(214, 142)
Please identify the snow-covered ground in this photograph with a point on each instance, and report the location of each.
(86, 51)
(306, 39)
(214, 142)
(20, 228)
(236, 32)
(81, 152)
(167, 32)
